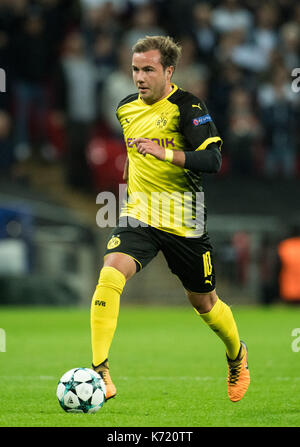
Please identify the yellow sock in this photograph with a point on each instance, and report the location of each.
(105, 311)
(221, 321)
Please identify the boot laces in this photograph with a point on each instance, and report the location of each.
(234, 373)
(106, 376)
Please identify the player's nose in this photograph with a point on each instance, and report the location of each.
(140, 77)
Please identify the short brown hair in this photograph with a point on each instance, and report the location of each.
(170, 51)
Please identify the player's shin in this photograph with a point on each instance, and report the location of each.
(104, 312)
(221, 321)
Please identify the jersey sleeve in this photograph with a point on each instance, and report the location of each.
(197, 125)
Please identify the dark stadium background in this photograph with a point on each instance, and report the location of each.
(67, 65)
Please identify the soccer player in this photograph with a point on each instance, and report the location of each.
(170, 139)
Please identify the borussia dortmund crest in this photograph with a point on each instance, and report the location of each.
(113, 242)
(162, 120)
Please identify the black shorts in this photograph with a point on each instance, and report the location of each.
(189, 258)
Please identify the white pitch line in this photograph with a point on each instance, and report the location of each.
(28, 377)
(204, 378)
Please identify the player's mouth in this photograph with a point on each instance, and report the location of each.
(142, 89)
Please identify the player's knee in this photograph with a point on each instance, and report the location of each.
(202, 302)
(121, 262)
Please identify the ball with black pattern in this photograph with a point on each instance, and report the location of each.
(81, 390)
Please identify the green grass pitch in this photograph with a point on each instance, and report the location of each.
(169, 368)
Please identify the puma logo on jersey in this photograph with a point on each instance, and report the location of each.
(197, 106)
(207, 281)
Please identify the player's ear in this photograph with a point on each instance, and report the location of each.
(170, 71)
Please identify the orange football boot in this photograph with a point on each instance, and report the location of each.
(103, 370)
(238, 379)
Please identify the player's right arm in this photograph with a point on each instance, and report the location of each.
(125, 172)
(124, 101)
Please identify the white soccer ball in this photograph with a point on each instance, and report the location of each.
(81, 390)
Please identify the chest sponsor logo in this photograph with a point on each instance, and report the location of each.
(164, 142)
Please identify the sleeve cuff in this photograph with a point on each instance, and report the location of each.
(209, 141)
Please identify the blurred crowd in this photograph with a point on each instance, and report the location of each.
(67, 66)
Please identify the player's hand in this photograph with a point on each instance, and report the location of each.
(145, 146)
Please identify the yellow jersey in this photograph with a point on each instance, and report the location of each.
(159, 193)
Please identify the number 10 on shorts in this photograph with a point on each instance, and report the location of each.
(207, 264)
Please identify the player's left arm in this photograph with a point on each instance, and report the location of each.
(208, 160)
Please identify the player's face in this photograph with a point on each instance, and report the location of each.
(151, 79)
